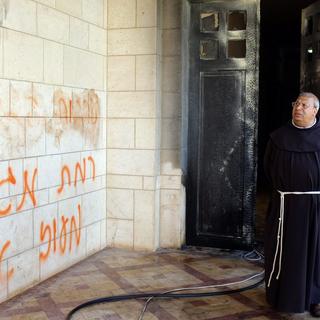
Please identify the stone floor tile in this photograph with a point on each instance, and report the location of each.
(116, 272)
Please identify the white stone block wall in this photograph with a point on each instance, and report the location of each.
(58, 201)
(172, 213)
(144, 194)
(53, 57)
(132, 123)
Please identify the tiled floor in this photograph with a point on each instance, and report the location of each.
(115, 272)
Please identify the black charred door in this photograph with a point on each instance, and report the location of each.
(310, 49)
(222, 122)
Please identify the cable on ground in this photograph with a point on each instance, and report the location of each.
(254, 255)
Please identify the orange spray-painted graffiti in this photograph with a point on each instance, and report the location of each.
(69, 229)
(79, 111)
(2, 253)
(12, 180)
(58, 236)
(81, 170)
(65, 169)
(26, 190)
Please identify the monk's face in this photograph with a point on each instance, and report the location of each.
(304, 112)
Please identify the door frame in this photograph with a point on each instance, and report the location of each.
(253, 102)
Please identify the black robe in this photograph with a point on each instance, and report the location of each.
(292, 163)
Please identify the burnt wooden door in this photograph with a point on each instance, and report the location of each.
(310, 49)
(222, 122)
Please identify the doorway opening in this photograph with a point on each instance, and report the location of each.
(279, 80)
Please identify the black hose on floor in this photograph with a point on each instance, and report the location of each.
(159, 295)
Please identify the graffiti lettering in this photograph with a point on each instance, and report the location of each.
(12, 180)
(69, 228)
(26, 189)
(78, 169)
(93, 167)
(56, 236)
(82, 172)
(79, 111)
(65, 169)
(2, 252)
(43, 232)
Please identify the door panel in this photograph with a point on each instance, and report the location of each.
(222, 113)
(220, 176)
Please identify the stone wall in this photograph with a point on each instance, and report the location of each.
(52, 137)
(172, 214)
(133, 121)
(144, 195)
(90, 122)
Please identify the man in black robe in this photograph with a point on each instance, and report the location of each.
(292, 242)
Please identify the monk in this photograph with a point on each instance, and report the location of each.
(292, 242)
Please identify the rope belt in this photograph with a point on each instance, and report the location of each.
(280, 231)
